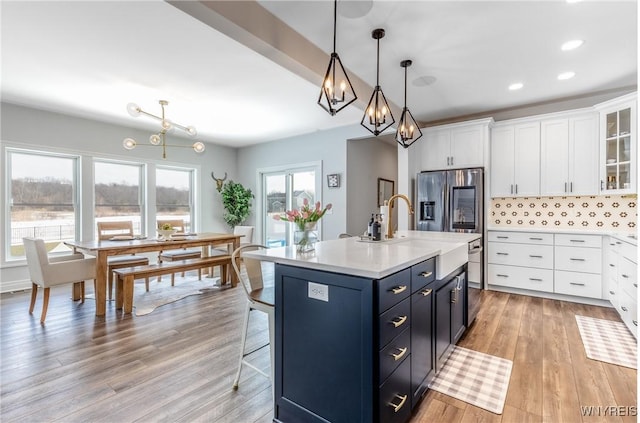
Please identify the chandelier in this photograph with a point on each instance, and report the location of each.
(407, 127)
(377, 116)
(334, 95)
(166, 125)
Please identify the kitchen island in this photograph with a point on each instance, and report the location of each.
(361, 327)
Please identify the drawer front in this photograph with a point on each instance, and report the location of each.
(539, 256)
(628, 277)
(394, 321)
(422, 274)
(578, 284)
(611, 291)
(395, 396)
(578, 259)
(521, 237)
(393, 289)
(629, 251)
(392, 355)
(521, 277)
(589, 241)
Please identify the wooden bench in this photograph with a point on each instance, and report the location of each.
(126, 275)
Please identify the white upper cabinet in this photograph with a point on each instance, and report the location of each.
(618, 134)
(455, 146)
(569, 155)
(515, 160)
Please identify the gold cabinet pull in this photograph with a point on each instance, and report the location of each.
(397, 407)
(399, 289)
(426, 274)
(426, 292)
(399, 322)
(401, 354)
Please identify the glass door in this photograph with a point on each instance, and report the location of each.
(618, 150)
(281, 191)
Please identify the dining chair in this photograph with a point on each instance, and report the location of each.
(48, 271)
(108, 230)
(175, 255)
(261, 297)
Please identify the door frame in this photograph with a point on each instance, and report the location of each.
(295, 167)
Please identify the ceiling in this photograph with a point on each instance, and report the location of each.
(246, 72)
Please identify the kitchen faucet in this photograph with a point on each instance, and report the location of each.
(390, 224)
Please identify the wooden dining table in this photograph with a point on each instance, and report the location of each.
(103, 249)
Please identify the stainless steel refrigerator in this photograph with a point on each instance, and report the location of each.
(453, 201)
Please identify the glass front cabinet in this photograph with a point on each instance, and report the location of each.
(618, 156)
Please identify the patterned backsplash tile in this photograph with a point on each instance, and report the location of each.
(616, 213)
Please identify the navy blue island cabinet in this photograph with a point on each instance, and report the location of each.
(352, 349)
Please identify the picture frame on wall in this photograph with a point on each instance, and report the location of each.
(333, 180)
(385, 190)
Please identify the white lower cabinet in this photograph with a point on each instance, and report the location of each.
(552, 263)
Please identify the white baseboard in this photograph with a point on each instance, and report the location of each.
(13, 286)
(551, 296)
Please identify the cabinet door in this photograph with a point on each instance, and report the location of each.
(467, 147)
(618, 157)
(502, 155)
(554, 157)
(421, 341)
(436, 150)
(527, 159)
(443, 343)
(583, 155)
(458, 308)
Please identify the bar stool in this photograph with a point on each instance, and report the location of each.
(259, 298)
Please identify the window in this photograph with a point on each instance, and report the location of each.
(119, 191)
(42, 199)
(174, 195)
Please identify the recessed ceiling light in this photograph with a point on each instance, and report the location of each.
(516, 86)
(566, 75)
(423, 81)
(571, 45)
(574, 1)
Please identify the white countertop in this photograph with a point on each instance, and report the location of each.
(622, 236)
(367, 259)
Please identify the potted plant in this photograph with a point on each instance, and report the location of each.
(236, 200)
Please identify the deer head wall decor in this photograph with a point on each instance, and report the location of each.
(219, 181)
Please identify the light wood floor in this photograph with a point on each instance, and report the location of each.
(178, 363)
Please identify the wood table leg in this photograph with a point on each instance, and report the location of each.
(101, 283)
(119, 294)
(127, 291)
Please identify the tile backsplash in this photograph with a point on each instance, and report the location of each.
(616, 213)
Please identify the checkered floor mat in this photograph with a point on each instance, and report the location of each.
(609, 341)
(476, 378)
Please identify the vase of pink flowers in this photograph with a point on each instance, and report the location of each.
(305, 219)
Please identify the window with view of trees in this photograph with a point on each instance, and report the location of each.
(174, 195)
(43, 199)
(118, 193)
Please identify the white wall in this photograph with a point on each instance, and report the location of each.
(367, 160)
(42, 130)
(329, 146)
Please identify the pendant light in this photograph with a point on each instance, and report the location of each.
(407, 127)
(377, 116)
(336, 92)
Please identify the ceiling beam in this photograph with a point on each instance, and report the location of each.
(250, 24)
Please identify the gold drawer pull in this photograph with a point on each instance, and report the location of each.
(399, 322)
(397, 407)
(426, 274)
(399, 289)
(401, 354)
(426, 292)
